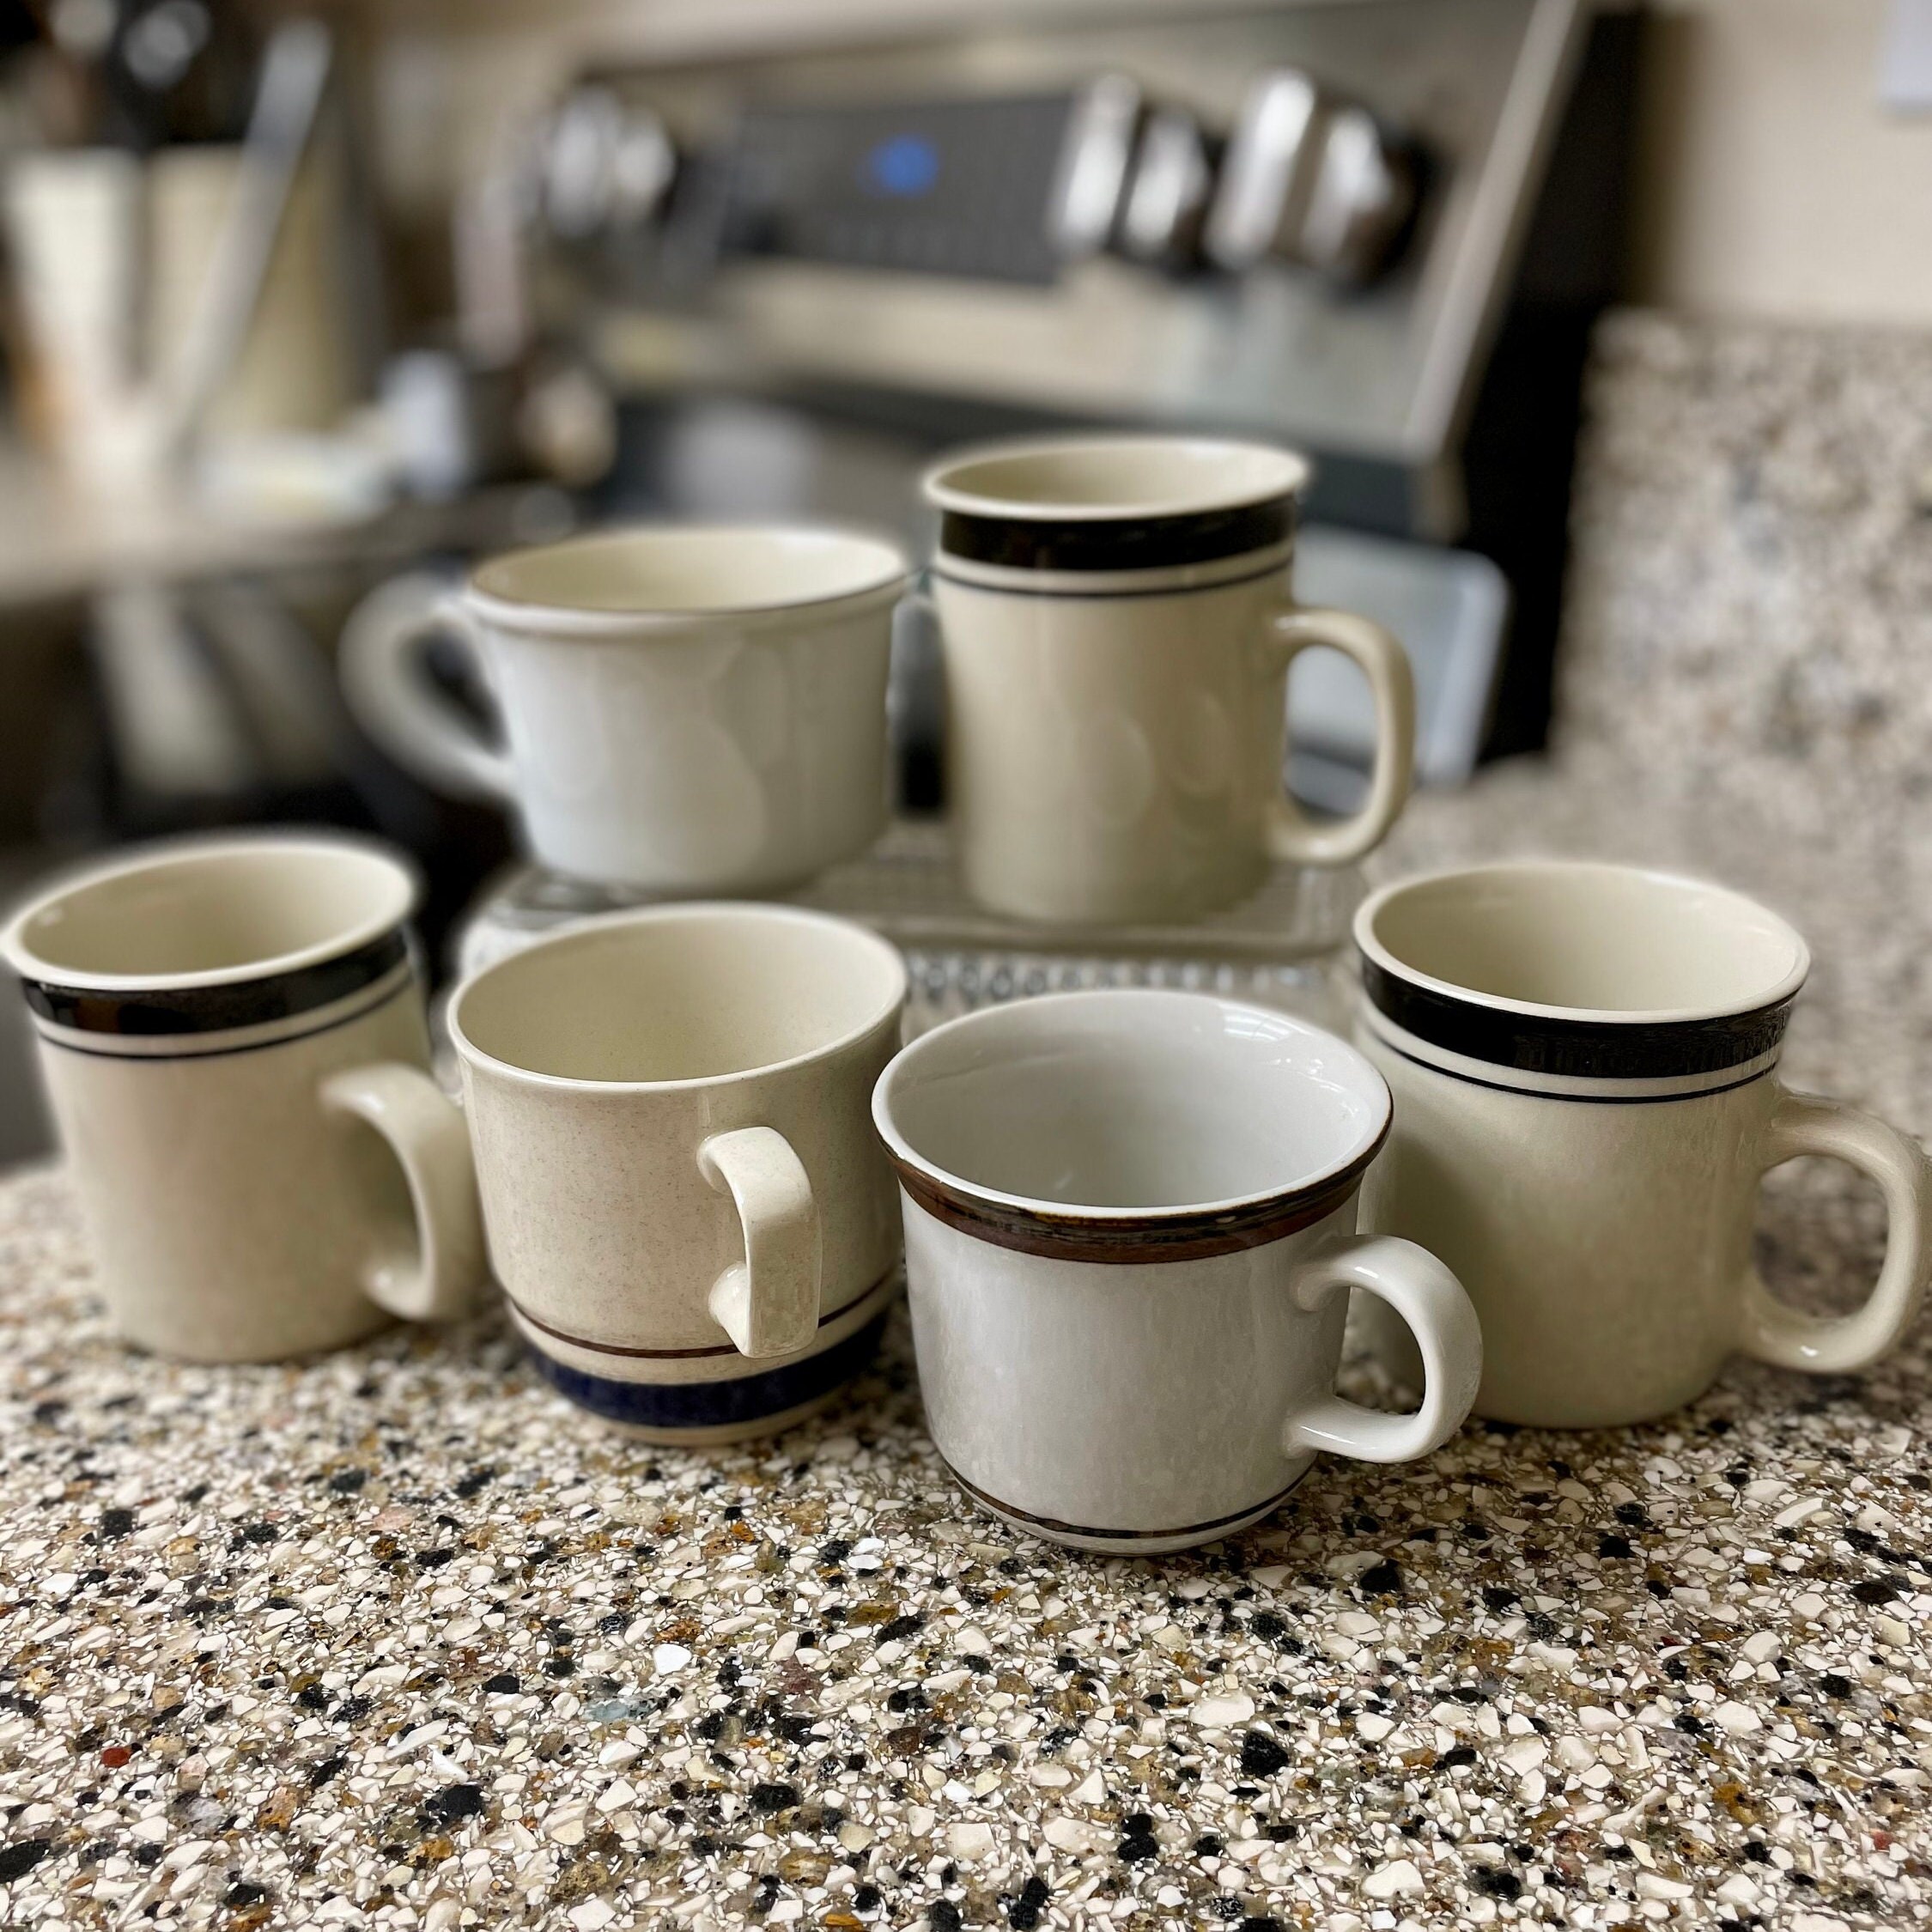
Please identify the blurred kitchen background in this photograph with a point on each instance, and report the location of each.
(295, 299)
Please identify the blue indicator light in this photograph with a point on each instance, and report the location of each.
(904, 165)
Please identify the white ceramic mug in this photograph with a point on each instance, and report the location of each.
(687, 1208)
(1129, 1224)
(689, 709)
(1117, 628)
(1584, 1064)
(232, 1034)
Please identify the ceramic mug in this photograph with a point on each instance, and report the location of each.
(1584, 1064)
(231, 1031)
(687, 1209)
(1116, 632)
(689, 709)
(1129, 1226)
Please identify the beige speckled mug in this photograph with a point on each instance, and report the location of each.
(232, 1034)
(1118, 626)
(1584, 1061)
(696, 1231)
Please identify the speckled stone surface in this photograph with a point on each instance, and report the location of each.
(395, 1638)
(1750, 603)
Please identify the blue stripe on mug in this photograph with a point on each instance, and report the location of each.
(714, 1405)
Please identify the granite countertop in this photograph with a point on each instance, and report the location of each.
(396, 1638)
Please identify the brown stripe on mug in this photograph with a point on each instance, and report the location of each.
(1252, 1512)
(1155, 1234)
(591, 1347)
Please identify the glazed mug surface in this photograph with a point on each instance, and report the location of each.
(1117, 628)
(232, 1034)
(687, 1209)
(1130, 1222)
(689, 709)
(1584, 1063)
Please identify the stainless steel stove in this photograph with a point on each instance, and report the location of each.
(1375, 229)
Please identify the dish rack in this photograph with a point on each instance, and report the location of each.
(1281, 947)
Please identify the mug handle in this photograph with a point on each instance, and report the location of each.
(1805, 1123)
(915, 621)
(768, 1303)
(1292, 833)
(430, 1139)
(397, 705)
(1430, 1300)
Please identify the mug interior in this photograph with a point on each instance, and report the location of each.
(1586, 938)
(690, 570)
(203, 913)
(682, 993)
(1130, 1101)
(1106, 477)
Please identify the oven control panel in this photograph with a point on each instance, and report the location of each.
(1010, 187)
(1297, 218)
(932, 187)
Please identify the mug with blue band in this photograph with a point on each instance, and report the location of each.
(692, 1223)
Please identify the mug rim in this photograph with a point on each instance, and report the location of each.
(943, 495)
(1620, 1054)
(531, 616)
(162, 854)
(1081, 1231)
(598, 925)
(1778, 994)
(1159, 541)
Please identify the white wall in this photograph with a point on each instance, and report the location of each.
(1773, 184)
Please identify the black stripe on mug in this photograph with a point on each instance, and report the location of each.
(1122, 543)
(1632, 1049)
(167, 1012)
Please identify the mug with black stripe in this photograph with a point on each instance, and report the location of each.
(1117, 625)
(1130, 1238)
(232, 1034)
(1584, 1061)
(688, 1213)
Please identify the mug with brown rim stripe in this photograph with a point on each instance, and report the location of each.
(1130, 1225)
(685, 1204)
